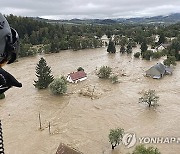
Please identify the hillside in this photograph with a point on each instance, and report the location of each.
(169, 19)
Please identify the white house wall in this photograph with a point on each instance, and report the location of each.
(82, 79)
(70, 80)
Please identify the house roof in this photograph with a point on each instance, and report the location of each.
(164, 45)
(64, 149)
(77, 75)
(160, 67)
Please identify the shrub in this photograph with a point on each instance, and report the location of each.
(141, 149)
(58, 86)
(137, 54)
(80, 69)
(114, 78)
(104, 72)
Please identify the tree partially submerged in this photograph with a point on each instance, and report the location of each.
(129, 49)
(114, 79)
(115, 136)
(43, 73)
(137, 54)
(58, 86)
(122, 49)
(171, 60)
(143, 47)
(141, 149)
(147, 55)
(80, 69)
(111, 47)
(104, 72)
(149, 97)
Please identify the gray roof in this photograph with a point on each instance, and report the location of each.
(160, 67)
(65, 149)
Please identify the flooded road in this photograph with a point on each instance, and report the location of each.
(81, 122)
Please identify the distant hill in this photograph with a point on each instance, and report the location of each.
(172, 18)
(169, 19)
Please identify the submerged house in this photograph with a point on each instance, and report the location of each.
(64, 149)
(158, 71)
(75, 77)
(162, 47)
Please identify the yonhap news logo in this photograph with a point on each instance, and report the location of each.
(130, 139)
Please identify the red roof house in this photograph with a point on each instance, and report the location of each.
(76, 76)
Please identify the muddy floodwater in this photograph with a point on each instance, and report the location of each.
(80, 121)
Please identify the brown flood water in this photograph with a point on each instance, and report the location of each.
(81, 122)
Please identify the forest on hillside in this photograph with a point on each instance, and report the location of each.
(56, 37)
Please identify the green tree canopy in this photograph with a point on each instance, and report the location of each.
(80, 69)
(129, 49)
(171, 60)
(58, 86)
(143, 47)
(122, 49)
(162, 38)
(141, 149)
(147, 55)
(137, 54)
(104, 72)
(149, 97)
(111, 47)
(115, 136)
(43, 73)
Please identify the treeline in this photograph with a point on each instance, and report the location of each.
(57, 37)
(52, 37)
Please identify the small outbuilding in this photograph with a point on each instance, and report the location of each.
(64, 149)
(158, 71)
(75, 77)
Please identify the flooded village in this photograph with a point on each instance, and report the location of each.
(89, 86)
(81, 122)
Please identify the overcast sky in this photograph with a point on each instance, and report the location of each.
(68, 9)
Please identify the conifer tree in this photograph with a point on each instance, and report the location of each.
(143, 47)
(122, 49)
(111, 47)
(43, 73)
(129, 49)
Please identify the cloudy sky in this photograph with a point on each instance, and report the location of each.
(68, 9)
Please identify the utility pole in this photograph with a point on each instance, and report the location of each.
(40, 127)
(49, 128)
